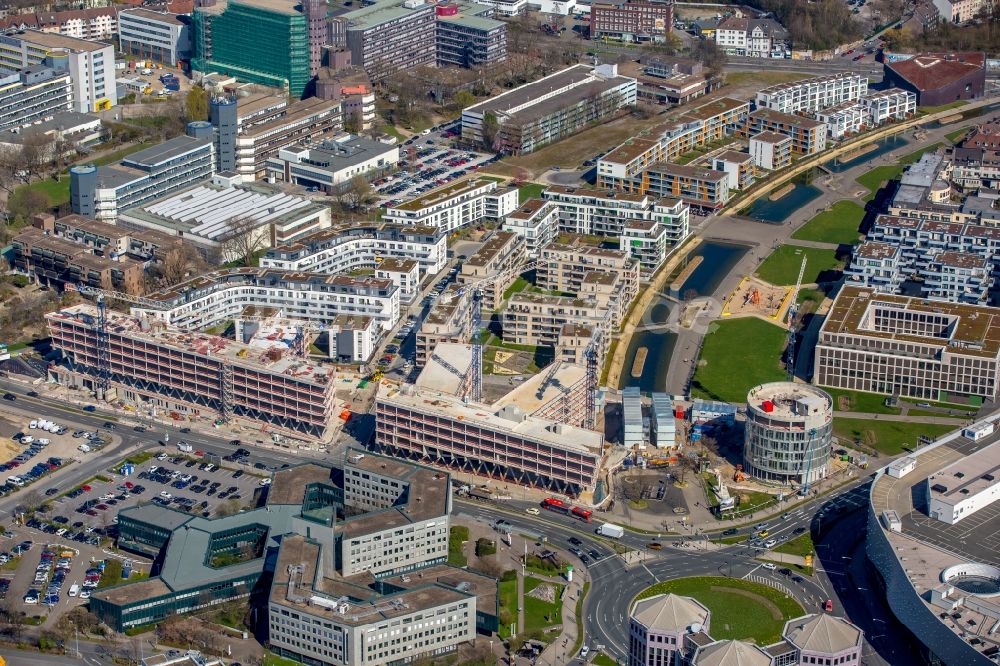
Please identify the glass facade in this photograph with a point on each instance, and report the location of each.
(254, 45)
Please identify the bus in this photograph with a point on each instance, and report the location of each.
(557, 505)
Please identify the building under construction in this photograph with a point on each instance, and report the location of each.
(195, 374)
(531, 436)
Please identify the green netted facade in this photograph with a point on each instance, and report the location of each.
(254, 43)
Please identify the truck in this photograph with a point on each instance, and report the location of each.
(185, 447)
(611, 530)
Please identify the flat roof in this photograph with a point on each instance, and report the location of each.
(163, 17)
(441, 377)
(54, 40)
(289, 484)
(528, 209)
(770, 115)
(277, 6)
(544, 386)
(688, 171)
(131, 592)
(379, 13)
(293, 113)
(342, 154)
(397, 265)
(967, 477)
(778, 87)
(770, 137)
(876, 250)
(491, 249)
(976, 330)
(168, 150)
(962, 260)
(574, 75)
(441, 194)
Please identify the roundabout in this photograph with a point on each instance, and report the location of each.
(741, 609)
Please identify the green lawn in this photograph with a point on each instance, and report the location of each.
(877, 177)
(782, 266)
(839, 224)
(604, 660)
(955, 136)
(751, 346)
(56, 190)
(942, 107)
(801, 546)
(508, 602)
(888, 437)
(735, 616)
(520, 284)
(529, 191)
(929, 412)
(917, 154)
(539, 614)
(859, 401)
(457, 536)
(271, 659)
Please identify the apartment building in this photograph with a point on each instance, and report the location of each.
(455, 205)
(212, 299)
(808, 136)
(706, 189)
(352, 247)
(704, 124)
(208, 216)
(90, 65)
(498, 260)
(388, 36)
(843, 120)
(646, 242)
(760, 38)
(909, 347)
(158, 36)
(738, 166)
(632, 20)
(467, 36)
(404, 273)
(883, 106)
(536, 221)
(813, 94)
(74, 251)
(506, 7)
(876, 266)
(144, 176)
(33, 94)
(976, 160)
(274, 43)
(93, 23)
(332, 164)
(450, 320)
(959, 11)
(958, 277)
(550, 109)
(263, 134)
(567, 267)
(353, 338)
(501, 441)
(537, 320)
(190, 372)
(770, 151)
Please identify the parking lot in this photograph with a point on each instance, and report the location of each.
(427, 163)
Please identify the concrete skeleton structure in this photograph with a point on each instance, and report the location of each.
(909, 347)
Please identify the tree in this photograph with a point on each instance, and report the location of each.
(228, 508)
(357, 193)
(30, 501)
(352, 123)
(177, 266)
(708, 53)
(25, 202)
(491, 128)
(244, 240)
(36, 152)
(196, 104)
(464, 98)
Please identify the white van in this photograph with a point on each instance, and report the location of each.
(74, 590)
(15, 481)
(84, 448)
(33, 425)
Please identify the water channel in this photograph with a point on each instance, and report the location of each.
(886, 145)
(718, 259)
(778, 210)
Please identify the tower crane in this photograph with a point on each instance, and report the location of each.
(793, 308)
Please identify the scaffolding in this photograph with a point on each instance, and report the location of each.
(226, 391)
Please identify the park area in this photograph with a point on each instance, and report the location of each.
(837, 224)
(740, 609)
(737, 355)
(782, 266)
(888, 437)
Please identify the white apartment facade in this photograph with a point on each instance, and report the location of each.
(404, 273)
(91, 65)
(892, 104)
(455, 205)
(536, 220)
(506, 7)
(959, 11)
(812, 95)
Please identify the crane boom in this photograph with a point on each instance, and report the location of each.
(793, 308)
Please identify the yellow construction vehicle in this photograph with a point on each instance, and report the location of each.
(377, 375)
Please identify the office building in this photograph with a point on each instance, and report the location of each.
(332, 164)
(142, 177)
(467, 35)
(388, 36)
(759, 38)
(455, 205)
(813, 94)
(60, 135)
(908, 347)
(536, 221)
(506, 7)
(158, 36)
(502, 441)
(788, 434)
(346, 248)
(704, 124)
(270, 42)
(210, 216)
(770, 151)
(498, 260)
(550, 109)
(939, 78)
(90, 65)
(260, 380)
(33, 94)
(632, 20)
(706, 189)
(808, 136)
(212, 299)
(961, 489)
(663, 629)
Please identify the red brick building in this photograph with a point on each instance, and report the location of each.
(631, 21)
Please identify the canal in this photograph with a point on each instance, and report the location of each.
(883, 146)
(718, 259)
(776, 211)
